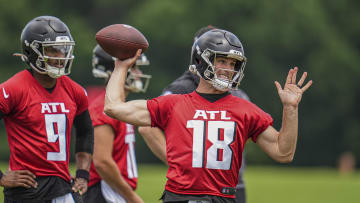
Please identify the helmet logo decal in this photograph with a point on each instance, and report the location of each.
(62, 39)
(198, 50)
(235, 52)
(26, 43)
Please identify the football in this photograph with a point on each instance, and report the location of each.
(121, 40)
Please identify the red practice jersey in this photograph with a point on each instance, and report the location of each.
(38, 123)
(204, 140)
(123, 147)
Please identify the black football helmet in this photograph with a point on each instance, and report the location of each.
(48, 46)
(215, 43)
(103, 65)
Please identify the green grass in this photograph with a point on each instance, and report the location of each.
(268, 184)
(301, 185)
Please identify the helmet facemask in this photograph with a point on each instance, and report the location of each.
(136, 81)
(229, 79)
(103, 65)
(54, 57)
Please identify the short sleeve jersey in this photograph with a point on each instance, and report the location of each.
(187, 83)
(38, 123)
(205, 140)
(123, 146)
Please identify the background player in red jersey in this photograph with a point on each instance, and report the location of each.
(113, 174)
(185, 84)
(207, 129)
(39, 106)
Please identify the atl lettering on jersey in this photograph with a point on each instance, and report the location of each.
(205, 140)
(202, 114)
(54, 107)
(39, 122)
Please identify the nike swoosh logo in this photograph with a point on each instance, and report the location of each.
(5, 95)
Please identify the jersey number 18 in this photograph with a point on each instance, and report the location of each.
(221, 134)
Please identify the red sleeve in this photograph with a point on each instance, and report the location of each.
(81, 98)
(10, 96)
(260, 121)
(99, 118)
(160, 110)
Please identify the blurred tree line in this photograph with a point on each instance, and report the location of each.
(319, 36)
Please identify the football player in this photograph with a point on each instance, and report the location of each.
(185, 84)
(206, 130)
(113, 174)
(39, 105)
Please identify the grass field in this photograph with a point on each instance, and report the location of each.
(269, 185)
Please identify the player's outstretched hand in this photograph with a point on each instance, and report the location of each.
(19, 178)
(292, 92)
(80, 185)
(127, 63)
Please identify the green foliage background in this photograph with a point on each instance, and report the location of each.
(319, 36)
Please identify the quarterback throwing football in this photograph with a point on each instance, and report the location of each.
(206, 130)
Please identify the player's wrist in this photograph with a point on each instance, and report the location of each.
(290, 108)
(121, 67)
(82, 173)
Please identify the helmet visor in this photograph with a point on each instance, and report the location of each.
(58, 55)
(224, 78)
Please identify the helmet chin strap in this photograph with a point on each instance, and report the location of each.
(22, 56)
(217, 83)
(220, 85)
(55, 72)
